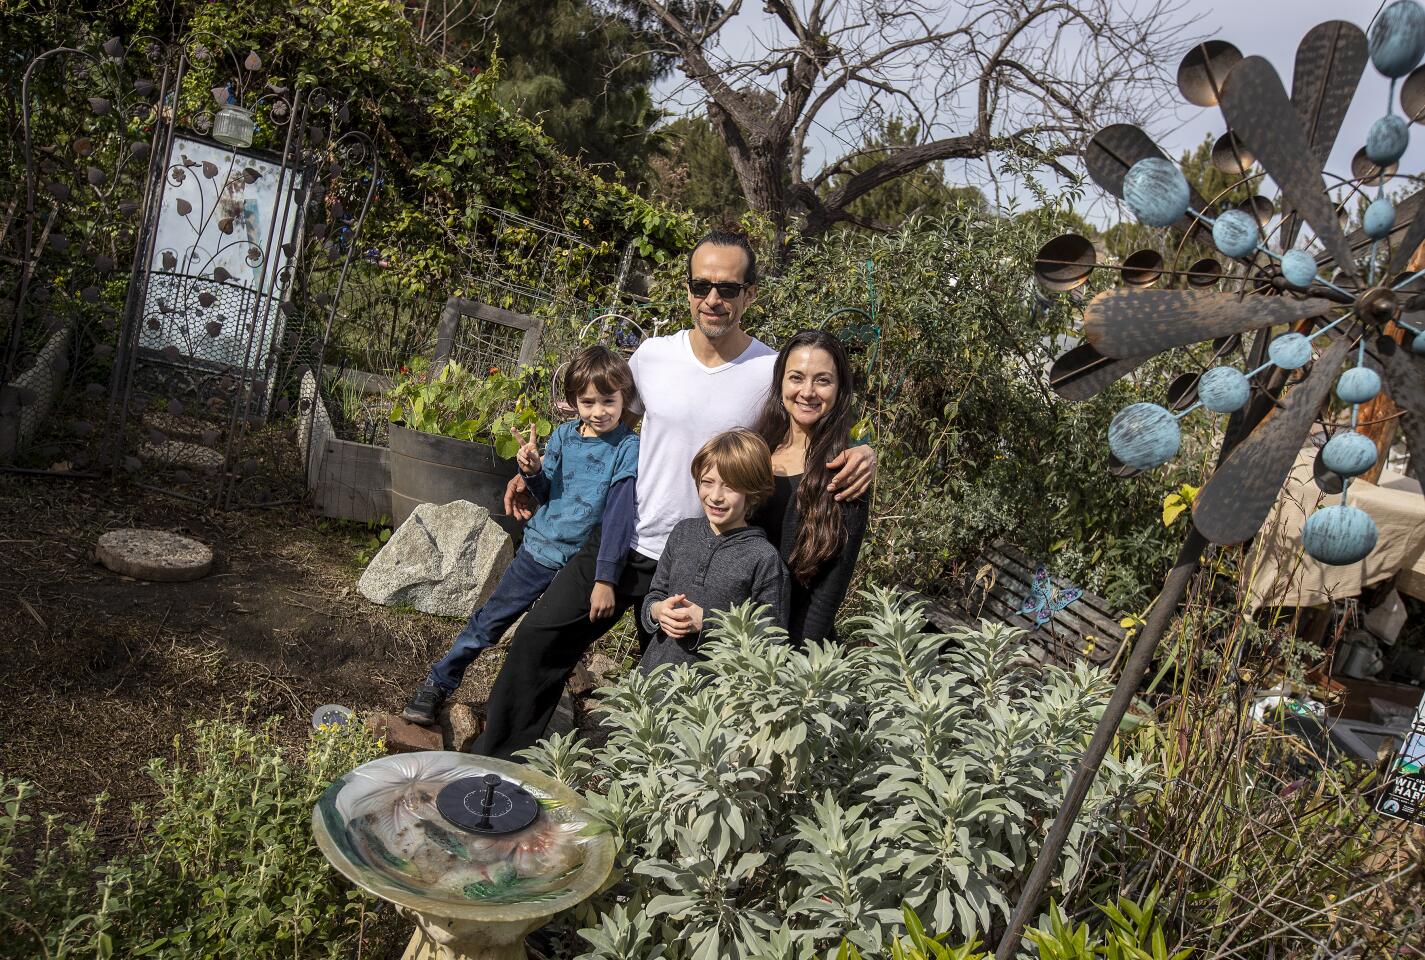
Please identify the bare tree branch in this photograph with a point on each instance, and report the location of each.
(976, 79)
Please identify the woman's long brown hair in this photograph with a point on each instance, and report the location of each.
(821, 532)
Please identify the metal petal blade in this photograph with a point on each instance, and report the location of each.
(1259, 112)
(1116, 148)
(1414, 234)
(1238, 497)
(1123, 322)
(1329, 62)
(1083, 373)
(1405, 381)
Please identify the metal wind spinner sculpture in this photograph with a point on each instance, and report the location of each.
(1341, 310)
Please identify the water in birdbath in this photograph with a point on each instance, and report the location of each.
(478, 851)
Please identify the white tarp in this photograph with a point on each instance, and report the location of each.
(1280, 572)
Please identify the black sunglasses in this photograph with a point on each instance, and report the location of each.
(727, 290)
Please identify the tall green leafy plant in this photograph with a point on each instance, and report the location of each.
(774, 801)
(461, 404)
(1126, 931)
(224, 863)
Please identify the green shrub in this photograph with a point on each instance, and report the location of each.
(1131, 932)
(1128, 931)
(773, 801)
(468, 405)
(224, 865)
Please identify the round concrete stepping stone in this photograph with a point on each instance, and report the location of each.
(170, 424)
(176, 453)
(154, 555)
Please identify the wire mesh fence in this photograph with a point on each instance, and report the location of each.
(522, 264)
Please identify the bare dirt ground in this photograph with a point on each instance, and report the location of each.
(99, 672)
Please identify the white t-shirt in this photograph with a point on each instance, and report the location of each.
(685, 405)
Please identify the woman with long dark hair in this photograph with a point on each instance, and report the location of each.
(806, 422)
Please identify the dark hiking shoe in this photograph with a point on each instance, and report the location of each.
(423, 704)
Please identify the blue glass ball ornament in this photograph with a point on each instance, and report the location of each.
(1349, 453)
(1299, 268)
(1235, 233)
(1418, 344)
(1156, 191)
(1144, 435)
(1358, 384)
(1339, 535)
(1386, 142)
(1379, 219)
(1290, 351)
(1224, 390)
(1398, 38)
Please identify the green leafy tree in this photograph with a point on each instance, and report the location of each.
(580, 70)
(449, 147)
(694, 171)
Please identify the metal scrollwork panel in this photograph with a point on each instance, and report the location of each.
(88, 124)
(172, 281)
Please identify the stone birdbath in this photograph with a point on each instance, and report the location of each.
(479, 852)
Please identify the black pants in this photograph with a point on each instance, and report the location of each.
(548, 645)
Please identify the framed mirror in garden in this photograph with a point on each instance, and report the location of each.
(185, 226)
(209, 267)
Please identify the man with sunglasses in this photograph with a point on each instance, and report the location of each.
(693, 385)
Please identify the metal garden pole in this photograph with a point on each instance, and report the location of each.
(1174, 589)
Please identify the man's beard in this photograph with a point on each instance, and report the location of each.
(713, 332)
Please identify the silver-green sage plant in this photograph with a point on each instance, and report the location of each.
(771, 801)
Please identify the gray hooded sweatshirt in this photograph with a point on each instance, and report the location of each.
(715, 572)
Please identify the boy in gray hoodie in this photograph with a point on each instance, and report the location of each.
(714, 562)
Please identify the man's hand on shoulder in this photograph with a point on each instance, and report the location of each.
(853, 472)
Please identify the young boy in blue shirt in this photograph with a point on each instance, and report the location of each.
(589, 462)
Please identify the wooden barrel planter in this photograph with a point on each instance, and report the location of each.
(429, 469)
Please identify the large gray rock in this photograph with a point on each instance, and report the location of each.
(445, 559)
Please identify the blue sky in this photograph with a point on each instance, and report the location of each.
(1269, 28)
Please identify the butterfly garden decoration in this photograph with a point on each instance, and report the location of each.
(1346, 302)
(1045, 599)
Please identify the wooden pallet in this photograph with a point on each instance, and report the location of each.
(1086, 629)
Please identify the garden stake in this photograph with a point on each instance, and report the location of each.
(1174, 588)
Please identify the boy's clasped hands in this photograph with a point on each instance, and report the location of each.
(677, 616)
(601, 598)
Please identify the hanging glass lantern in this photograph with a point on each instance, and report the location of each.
(233, 125)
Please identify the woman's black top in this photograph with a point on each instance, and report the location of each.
(812, 613)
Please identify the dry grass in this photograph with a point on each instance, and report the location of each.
(100, 671)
